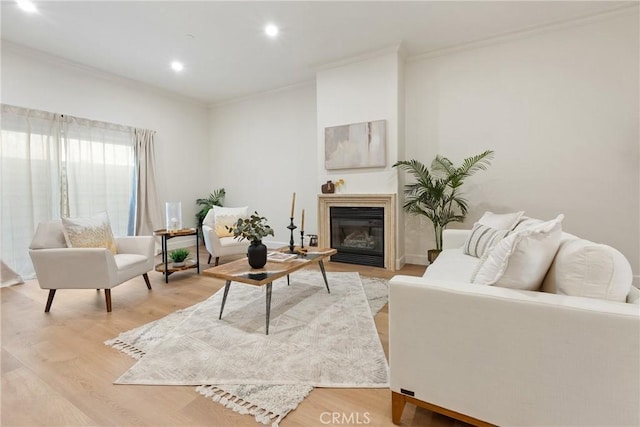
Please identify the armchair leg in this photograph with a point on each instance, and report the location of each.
(146, 280)
(52, 293)
(217, 259)
(107, 296)
(209, 260)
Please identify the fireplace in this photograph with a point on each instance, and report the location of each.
(358, 235)
(364, 230)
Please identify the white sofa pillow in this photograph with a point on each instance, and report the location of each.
(586, 269)
(500, 221)
(521, 260)
(482, 238)
(525, 222)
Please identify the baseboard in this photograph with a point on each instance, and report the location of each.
(181, 242)
(416, 259)
(273, 244)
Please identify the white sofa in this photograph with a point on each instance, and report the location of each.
(494, 355)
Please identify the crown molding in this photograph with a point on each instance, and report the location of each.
(396, 48)
(95, 72)
(527, 32)
(263, 93)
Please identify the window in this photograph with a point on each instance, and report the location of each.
(54, 165)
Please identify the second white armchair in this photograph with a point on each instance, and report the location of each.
(217, 239)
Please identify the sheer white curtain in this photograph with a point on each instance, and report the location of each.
(30, 154)
(54, 165)
(99, 166)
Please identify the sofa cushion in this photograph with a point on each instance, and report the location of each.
(89, 232)
(481, 238)
(587, 269)
(124, 261)
(501, 221)
(451, 265)
(521, 260)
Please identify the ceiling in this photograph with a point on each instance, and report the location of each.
(226, 53)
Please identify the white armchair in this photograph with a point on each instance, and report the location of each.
(213, 231)
(60, 267)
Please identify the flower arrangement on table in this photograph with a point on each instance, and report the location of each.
(338, 183)
(254, 228)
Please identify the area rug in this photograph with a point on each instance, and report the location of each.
(315, 339)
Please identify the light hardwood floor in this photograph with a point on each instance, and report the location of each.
(56, 371)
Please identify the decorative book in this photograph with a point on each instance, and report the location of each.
(280, 256)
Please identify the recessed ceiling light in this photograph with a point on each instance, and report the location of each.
(177, 66)
(271, 30)
(27, 6)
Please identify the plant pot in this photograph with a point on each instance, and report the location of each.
(179, 264)
(432, 254)
(257, 254)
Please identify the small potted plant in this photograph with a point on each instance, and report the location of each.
(179, 256)
(254, 229)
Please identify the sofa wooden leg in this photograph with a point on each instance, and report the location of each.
(217, 260)
(52, 293)
(397, 406)
(146, 280)
(209, 260)
(107, 296)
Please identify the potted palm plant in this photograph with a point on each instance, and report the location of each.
(436, 192)
(254, 229)
(214, 199)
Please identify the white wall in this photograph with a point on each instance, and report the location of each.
(363, 90)
(357, 92)
(560, 108)
(38, 81)
(263, 150)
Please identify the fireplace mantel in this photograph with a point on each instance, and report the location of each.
(386, 201)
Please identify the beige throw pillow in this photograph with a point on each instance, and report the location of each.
(89, 232)
(228, 217)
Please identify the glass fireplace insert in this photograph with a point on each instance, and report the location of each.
(358, 235)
